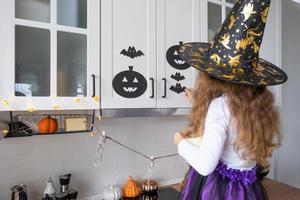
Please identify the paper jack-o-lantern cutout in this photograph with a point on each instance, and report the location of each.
(174, 59)
(130, 84)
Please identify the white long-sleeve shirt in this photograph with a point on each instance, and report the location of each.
(217, 142)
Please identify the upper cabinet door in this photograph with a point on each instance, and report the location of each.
(50, 50)
(128, 55)
(177, 21)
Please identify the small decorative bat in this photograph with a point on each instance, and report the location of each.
(177, 76)
(178, 88)
(131, 52)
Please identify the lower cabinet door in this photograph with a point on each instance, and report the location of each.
(177, 21)
(128, 55)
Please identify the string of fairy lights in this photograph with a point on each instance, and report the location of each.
(55, 106)
(4, 102)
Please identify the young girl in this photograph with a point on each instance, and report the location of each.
(233, 111)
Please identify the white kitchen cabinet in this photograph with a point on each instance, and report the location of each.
(49, 54)
(128, 52)
(177, 21)
(151, 27)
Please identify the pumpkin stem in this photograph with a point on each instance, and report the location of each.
(130, 68)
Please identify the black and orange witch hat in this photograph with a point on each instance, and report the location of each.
(233, 55)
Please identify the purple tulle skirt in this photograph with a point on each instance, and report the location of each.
(224, 184)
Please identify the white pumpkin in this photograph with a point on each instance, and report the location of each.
(112, 193)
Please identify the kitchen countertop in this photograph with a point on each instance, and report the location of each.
(165, 193)
(276, 190)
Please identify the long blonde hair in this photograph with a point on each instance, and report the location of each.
(256, 117)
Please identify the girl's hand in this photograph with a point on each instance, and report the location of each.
(189, 94)
(178, 137)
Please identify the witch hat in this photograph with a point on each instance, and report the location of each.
(233, 55)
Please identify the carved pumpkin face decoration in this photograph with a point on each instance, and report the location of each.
(174, 59)
(129, 84)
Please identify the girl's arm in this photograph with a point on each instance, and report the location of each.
(204, 158)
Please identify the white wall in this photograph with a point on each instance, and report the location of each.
(288, 156)
(31, 160)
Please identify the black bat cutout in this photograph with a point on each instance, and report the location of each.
(177, 76)
(131, 52)
(178, 88)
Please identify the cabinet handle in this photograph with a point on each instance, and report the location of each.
(152, 85)
(94, 85)
(165, 88)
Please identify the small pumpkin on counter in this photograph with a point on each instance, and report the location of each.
(112, 193)
(131, 189)
(48, 125)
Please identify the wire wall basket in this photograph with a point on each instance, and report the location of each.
(22, 125)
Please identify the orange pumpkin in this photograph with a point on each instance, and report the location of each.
(131, 189)
(48, 125)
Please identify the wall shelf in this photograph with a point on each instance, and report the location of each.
(23, 125)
